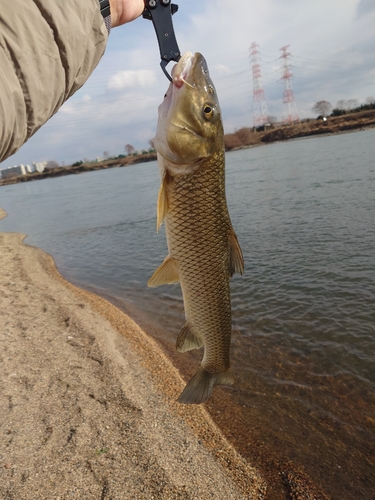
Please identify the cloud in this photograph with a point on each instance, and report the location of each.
(72, 106)
(365, 7)
(131, 78)
(221, 69)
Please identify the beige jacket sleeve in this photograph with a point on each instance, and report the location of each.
(48, 49)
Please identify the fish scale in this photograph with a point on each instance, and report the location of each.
(198, 241)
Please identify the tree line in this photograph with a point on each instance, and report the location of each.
(343, 106)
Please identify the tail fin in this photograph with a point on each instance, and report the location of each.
(199, 388)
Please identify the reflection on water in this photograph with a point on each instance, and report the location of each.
(303, 314)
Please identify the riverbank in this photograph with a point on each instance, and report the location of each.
(79, 169)
(332, 125)
(88, 400)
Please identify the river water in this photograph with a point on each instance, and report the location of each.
(304, 312)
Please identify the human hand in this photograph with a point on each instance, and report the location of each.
(124, 11)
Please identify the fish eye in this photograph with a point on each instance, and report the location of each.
(208, 111)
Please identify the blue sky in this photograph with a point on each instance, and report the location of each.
(332, 43)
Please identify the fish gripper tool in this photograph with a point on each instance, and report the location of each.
(160, 12)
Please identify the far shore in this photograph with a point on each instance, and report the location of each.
(241, 139)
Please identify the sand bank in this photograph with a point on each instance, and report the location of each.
(87, 400)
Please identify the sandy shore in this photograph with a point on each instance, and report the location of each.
(87, 400)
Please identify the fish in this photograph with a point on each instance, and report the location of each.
(203, 249)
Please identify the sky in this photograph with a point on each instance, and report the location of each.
(332, 46)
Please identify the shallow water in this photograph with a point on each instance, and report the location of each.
(303, 313)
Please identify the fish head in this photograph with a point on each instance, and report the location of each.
(189, 125)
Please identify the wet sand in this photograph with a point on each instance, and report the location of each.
(88, 400)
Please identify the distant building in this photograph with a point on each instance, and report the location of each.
(9, 172)
(39, 166)
(13, 171)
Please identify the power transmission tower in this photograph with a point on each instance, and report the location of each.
(260, 112)
(290, 114)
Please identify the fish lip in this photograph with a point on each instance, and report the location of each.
(185, 71)
(182, 69)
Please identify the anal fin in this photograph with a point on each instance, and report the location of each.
(166, 273)
(188, 339)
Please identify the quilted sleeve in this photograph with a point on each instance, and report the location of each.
(48, 49)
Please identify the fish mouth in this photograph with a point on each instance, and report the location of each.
(181, 70)
(190, 70)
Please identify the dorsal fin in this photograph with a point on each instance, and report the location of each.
(166, 273)
(236, 263)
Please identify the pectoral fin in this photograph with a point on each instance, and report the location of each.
(236, 264)
(162, 207)
(188, 339)
(164, 274)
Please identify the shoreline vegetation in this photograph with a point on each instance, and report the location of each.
(89, 404)
(242, 138)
